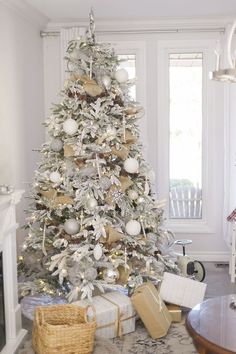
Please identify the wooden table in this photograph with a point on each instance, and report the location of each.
(212, 325)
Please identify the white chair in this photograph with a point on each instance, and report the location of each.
(185, 202)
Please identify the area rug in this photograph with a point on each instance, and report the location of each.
(177, 341)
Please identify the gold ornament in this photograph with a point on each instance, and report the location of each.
(68, 150)
(112, 235)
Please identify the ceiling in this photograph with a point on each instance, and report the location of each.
(133, 9)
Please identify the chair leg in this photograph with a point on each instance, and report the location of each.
(233, 256)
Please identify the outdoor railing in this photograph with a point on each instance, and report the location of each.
(185, 202)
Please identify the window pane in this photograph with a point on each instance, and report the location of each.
(185, 135)
(128, 63)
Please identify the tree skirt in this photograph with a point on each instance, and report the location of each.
(177, 341)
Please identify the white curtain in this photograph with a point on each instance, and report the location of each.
(230, 161)
(66, 35)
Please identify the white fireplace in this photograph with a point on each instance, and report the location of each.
(14, 334)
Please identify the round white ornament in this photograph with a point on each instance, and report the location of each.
(106, 80)
(71, 226)
(131, 165)
(90, 274)
(91, 203)
(121, 75)
(56, 145)
(133, 227)
(132, 194)
(97, 252)
(55, 177)
(70, 126)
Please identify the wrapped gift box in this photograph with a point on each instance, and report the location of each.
(175, 312)
(181, 291)
(114, 312)
(152, 310)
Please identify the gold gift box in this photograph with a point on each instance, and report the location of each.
(152, 310)
(175, 312)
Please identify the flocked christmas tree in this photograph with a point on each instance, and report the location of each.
(94, 221)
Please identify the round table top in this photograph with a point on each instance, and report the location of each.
(212, 324)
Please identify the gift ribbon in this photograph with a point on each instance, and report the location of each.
(118, 321)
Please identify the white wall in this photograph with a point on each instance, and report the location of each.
(21, 98)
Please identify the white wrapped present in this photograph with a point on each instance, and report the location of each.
(182, 291)
(114, 313)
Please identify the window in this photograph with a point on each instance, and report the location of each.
(185, 135)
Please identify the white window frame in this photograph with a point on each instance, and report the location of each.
(166, 47)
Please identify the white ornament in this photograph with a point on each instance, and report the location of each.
(121, 75)
(70, 126)
(131, 165)
(97, 252)
(56, 145)
(133, 227)
(71, 226)
(91, 203)
(132, 194)
(106, 80)
(55, 177)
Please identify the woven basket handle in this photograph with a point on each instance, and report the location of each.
(86, 313)
(39, 316)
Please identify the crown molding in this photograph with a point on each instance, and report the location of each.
(26, 11)
(114, 25)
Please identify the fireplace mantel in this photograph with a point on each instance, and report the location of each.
(14, 332)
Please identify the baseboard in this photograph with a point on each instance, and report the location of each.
(13, 344)
(210, 256)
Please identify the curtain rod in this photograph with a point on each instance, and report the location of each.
(144, 31)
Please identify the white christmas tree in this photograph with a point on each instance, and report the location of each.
(94, 222)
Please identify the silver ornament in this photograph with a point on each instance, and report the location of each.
(91, 203)
(106, 80)
(105, 183)
(90, 274)
(56, 145)
(110, 275)
(71, 226)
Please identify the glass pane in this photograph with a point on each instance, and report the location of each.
(185, 135)
(129, 64)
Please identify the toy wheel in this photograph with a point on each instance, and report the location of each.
(199, 271)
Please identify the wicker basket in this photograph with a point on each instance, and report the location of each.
(63, 329)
